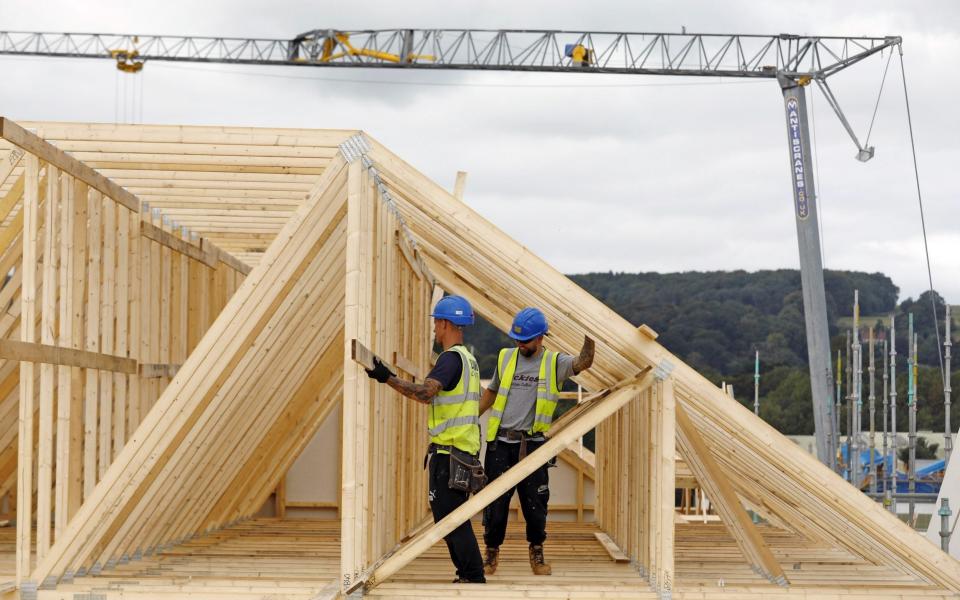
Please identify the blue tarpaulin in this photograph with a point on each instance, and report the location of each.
(925, 483)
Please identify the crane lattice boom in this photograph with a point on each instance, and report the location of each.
(513, 50)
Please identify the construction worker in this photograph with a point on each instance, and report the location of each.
(523, 393)
(452, 389)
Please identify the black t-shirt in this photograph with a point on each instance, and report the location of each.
(448, 369)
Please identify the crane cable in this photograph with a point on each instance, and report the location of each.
(923, 224)
(879, 95)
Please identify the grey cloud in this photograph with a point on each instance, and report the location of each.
(652, 177)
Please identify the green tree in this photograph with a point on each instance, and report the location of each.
(924, 451)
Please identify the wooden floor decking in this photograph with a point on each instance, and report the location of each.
(270, 559)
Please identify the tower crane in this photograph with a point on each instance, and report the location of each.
(793, 61)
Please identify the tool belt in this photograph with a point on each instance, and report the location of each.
(466, 472)
(514, 435)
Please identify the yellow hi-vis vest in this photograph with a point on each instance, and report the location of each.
(547, 392)
(455, 415)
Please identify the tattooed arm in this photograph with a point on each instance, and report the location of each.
(583, 362)
(422, 393)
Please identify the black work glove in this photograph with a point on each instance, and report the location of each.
(380, 372)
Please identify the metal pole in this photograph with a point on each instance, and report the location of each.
(911, 412)
(857, 403)
(945, 513)
(886, 409)
(947, 428)
(811, 261)
(873, 413)
(836, 414)
(756, 383)
(849, 399)
(892, 486)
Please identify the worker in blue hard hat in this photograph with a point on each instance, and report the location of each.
(523, 394)
(452, 389)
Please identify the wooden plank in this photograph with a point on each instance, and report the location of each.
(176, 244)
(585, 462)
(58, 355)
(718, 488)
(658, 530)
(648, 331)
(506, 481)
(381, 529)
(364, 357)
(48, 321)
(135, 322)
(121, 299)
(154, 371)
(157, 291)
(173, 331)
(92, 341)
(108, 212)
(356, 385)
(196, 323)
(81, 193)
(147, 295)
(28, 309)
(616, 554)
(406, 365)
(65, 391)
(183, 324)
(408, 254)
(166, 299)
(459, 185)
(41, 148)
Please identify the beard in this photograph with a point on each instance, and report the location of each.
(527, 352)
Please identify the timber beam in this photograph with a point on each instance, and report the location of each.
(70, 357)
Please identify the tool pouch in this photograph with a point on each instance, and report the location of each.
(466, 472)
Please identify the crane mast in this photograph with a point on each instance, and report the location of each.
(793, 61)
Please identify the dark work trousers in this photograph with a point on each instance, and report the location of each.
(461, 542)
(534, 494)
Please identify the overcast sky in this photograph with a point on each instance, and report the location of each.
(592, 172)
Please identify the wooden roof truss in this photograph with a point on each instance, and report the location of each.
(166, 387)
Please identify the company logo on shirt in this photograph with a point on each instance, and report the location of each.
(525, 380)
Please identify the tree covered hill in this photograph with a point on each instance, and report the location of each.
(716, 320)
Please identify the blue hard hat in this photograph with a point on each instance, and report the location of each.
(528, 324)
(455, 309)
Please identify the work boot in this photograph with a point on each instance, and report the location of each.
(537, 564)
(491, 561)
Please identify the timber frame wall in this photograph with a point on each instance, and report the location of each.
(116, 297)
(359, 258)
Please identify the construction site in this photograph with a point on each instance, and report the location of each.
(191, 312)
